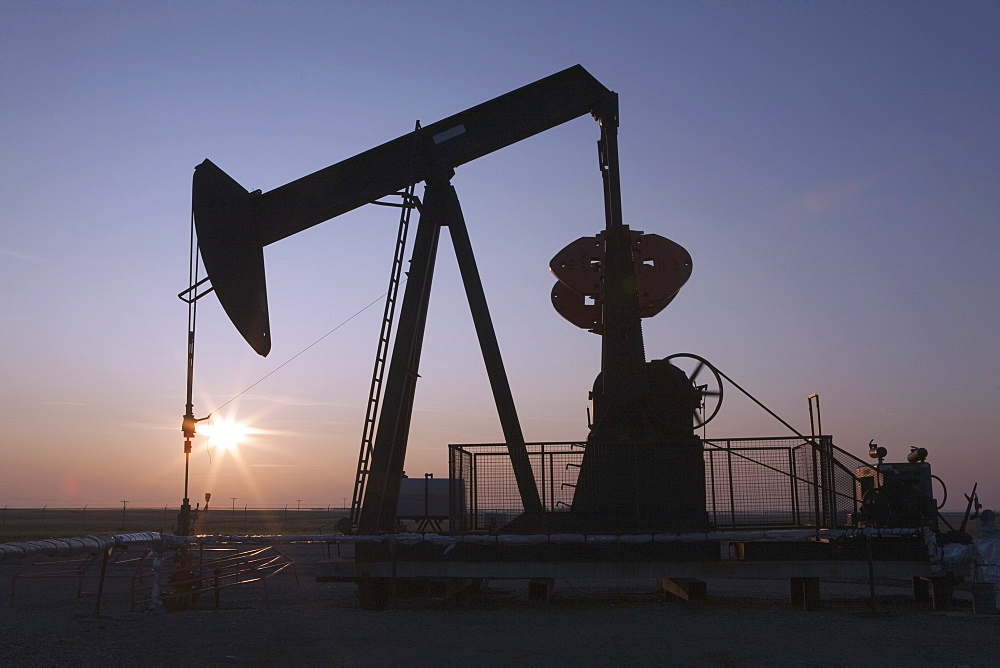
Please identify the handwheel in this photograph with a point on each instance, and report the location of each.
(709, 388)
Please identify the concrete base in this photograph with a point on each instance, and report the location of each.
(984, 598)
(683, 589)
(384, 592)
(507, 570)
(937, 590)
(540, 590)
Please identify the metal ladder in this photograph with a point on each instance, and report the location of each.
(409, 202)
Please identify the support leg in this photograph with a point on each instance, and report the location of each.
(937, 590)
(941, 592)
(804, 592)
(100, 583)
(540, 590)
(491, 356)
(389, 449)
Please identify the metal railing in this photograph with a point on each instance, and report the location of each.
(780, 482)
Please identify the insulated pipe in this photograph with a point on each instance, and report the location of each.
(66, 547)
(69, 547)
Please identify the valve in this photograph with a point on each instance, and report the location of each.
(876, 451)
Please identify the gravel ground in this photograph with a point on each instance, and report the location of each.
(744, 622)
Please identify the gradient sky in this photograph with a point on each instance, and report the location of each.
(833, 169)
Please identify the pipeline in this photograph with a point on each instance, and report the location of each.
(69, 547)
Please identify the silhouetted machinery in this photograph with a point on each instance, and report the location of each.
(643, 469)
(898, 494)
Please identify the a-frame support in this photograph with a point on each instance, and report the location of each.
(440, 208)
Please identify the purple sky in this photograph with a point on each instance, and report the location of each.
(833, 169)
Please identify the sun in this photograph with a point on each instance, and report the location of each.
(226, 434)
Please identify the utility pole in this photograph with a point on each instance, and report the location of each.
(124, 504)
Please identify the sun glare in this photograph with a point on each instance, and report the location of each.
(226, 434)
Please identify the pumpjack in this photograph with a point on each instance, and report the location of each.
(644, 412)
(640, 492)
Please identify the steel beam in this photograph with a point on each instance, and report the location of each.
(502, 396)
(416, 156)
(378, 511)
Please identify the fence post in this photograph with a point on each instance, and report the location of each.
(732, 501)
(816, 498)
(711, 476)
(793, 469)
(100, 584)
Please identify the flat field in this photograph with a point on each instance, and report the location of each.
(18, 524)
(294, 620)
(297, 621)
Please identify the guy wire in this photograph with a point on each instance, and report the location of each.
(289, 360)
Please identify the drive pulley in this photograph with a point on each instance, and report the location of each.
(707, 382)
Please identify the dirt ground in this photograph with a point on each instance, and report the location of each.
(586, 623)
